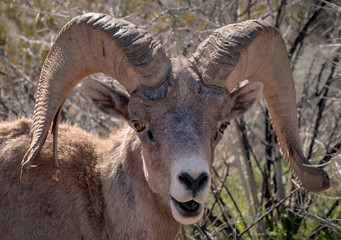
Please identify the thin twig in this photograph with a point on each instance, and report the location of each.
(269, 211)
(329, 223)
(34, 10)
(303, 33)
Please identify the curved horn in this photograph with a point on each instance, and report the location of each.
(89, 44)
(254, 50)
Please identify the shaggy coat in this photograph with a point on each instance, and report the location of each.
(93, 195)
(145, 179)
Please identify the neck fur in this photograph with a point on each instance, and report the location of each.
(129, 201)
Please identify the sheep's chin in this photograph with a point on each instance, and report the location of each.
(186, 213)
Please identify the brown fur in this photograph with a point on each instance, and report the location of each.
(121, 187)
(93, 195)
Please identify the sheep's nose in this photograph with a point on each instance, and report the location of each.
(194, 184)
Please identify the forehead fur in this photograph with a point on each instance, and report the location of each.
(181, 80)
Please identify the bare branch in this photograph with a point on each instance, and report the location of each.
(268, 212)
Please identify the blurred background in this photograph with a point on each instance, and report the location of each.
(253, 195)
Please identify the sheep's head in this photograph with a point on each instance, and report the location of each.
(179, 123)
(180, 107)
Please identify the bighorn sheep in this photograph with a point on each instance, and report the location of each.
(146, 179)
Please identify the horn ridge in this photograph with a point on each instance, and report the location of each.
(254, 50)
(224, 46)
(88, 44)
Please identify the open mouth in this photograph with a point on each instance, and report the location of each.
(187, 209)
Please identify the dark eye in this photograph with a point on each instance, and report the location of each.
(223, 126)
(138, 125)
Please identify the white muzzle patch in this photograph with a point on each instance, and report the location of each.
(190, 184)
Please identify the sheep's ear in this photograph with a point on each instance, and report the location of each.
(244, 97)
(108, 100)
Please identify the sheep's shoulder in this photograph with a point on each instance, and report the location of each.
(41, 198)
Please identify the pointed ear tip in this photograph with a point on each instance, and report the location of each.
(89, 82)
(259, 86)
(92, 84)
(86, 83)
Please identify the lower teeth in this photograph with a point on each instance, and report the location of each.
(189, 206)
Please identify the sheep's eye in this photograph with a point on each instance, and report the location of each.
(223, 126)
(138, 126)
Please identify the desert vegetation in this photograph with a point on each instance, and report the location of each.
(253, 195)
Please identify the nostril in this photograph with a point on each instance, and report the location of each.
(202, 180)
(193, 185)
(186, 180)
